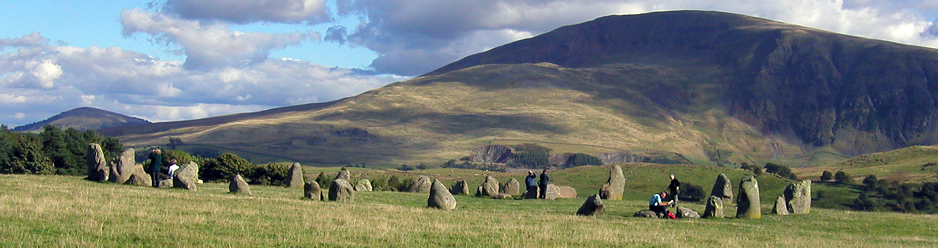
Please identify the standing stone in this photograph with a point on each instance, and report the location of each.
(122, 171)
(460, 188)
(295, 178)
(344, 174)
(567, 192)
(186, 176)
(312, 190)
(722, 188)
(139, 180)
(684, 212)
(614, 187)
(592, 206)
(553, 192)
(341, 190)
(440, 197)
(237, 185)
(421, 185)
(714, 207)
(781, 207)
(96, 163)
(747, 201)
(363, 185)
(489, 187)
(798, 197)
(512, 187)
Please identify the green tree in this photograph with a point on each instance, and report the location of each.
(580, 159)
(841, 177)
(224, 167)
(870, 183)
(691, 192)
(826, 176)
(863, 203)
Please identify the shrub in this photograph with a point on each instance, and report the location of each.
(323, 180)
(225, 167)
(841, 177)
(826, 176)
(691, 192)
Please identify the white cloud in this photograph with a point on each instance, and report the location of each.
(209, 45)
(11, 98)
(248, 11)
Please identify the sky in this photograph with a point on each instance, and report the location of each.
(168, 60)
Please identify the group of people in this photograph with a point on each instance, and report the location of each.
(660, 202)
(542, 183)
(156, 166)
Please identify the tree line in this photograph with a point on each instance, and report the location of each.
(51, 151)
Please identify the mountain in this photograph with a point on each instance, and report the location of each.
(85, 118)
(710, 86)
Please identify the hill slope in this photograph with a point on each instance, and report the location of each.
(711, 86)
(84, 118)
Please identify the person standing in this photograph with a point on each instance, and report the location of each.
(172, 168)
(657, 204)
(545, 179)
(675, 188)
(531, 185)
(156, 165)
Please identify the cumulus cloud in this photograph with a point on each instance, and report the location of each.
(209, 45)
(134, 83)
(249, 11)
(414, 37)
(30, 40)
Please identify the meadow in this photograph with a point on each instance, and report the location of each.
(57, 211)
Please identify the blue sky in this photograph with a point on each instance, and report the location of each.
(166, 60)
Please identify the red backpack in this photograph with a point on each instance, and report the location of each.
(671, 215)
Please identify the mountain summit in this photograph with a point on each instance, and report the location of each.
(84, 118)
(707, 85)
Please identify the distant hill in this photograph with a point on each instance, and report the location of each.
(84, 118)
(710, 86)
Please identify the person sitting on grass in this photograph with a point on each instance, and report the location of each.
(657, 205)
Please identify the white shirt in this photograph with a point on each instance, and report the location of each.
(172, 168)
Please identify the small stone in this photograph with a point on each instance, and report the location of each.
(592, 206)
(237, 185)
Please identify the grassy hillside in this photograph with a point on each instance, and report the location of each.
(916, 164)
(68, 211)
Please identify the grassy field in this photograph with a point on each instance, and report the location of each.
(44, 211)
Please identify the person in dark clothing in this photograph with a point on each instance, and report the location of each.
(545, 179)
(675, 188)
(156, 165)
(531, 185)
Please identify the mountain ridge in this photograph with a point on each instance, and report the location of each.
(83, 118)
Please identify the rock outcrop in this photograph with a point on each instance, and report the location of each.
(363, 185)
(512, 187)
(459, 188)
(295, 178)
(722, 188)
(748, 205)
(96, 163)
(237, 185)
(341, 190)
(714, 207)
(421, 185)
(491, 154)
(440, 197)
(614, 186)
(312, 190)
(187, 176)
(621, 158)
(798, 197)
(592, 206)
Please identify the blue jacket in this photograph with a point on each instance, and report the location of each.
(530, 180)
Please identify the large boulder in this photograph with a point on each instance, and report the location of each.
(781, 206)
(124, 168)
(489, 187)
(164, 184)
(187, 176)
(96, 164)
(684, 212)
(646, 214)
(363, 185)
(722, 188)
(798, 197)
(344, 174)
(714, 207)
(421, 185)
(512, 187)
(440, 197)
(459, 188)
(567, 192)
(237, 185)
(592, 206)
(139, 176)
(747, 201)
(553, 192)
(312, 190)
(615, 186)
(295, 178)
(341, 190)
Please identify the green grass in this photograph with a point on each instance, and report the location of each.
(44, 211)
